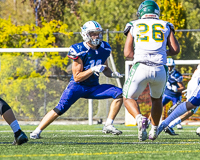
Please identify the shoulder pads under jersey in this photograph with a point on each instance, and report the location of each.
(106, 45)
(72, 53)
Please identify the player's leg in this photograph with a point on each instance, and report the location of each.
(165, 100)
(180, 110)
(133, 87)
(114, 109)
(191, 87)
(70, 95)
(192, 103)
(173, 108)
(47, 120)
(157, 86)
(156, 110)
(177, 121)
(105, 91)
(177, 100)
(9, 117)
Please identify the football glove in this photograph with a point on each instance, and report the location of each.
(98, 68)
(116, 75)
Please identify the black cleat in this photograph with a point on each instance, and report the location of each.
(22, 138)
(170, 131)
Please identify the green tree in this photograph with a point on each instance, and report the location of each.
(193, 22)
(19, 13)
(21, 83)
(192, 8)
(51, 9)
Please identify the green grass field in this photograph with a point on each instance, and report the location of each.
(63, 142)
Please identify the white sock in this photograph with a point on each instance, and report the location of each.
(15, 126)
(153, 127)
(109, 121)
(175, 122)
(138, 117)
(180, 109)
(37, 131)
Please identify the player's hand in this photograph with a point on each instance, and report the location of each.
(116, 75)
(174, 88)
(98, 68)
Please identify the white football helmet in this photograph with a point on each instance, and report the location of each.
(92, 26)
(170, 62)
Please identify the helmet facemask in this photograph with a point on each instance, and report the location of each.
(172, 70)
(171, 63)
(95, 38)
(92, 33)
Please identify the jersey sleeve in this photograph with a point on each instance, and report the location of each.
(72, 53)
(107, 46)
(127, 28)
(171, 26)
(179, 77)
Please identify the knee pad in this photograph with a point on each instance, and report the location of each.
(3, 106)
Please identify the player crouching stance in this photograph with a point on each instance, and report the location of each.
(8, 115)
(89, 59)
(149, 35)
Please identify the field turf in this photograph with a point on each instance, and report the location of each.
(84, 142)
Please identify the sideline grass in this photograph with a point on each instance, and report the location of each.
(86, 142)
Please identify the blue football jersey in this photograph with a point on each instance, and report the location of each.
(173, 79)
(90, 58)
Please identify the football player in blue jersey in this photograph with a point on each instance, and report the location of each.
(192, 103)
(174, 86)
(89, 59)
(8, 115)
(192, 85)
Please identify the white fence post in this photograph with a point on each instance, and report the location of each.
(90, 111)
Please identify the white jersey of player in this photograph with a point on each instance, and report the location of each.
(150, 40)
(193, 83)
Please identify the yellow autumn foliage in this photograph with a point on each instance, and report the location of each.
(21, 86)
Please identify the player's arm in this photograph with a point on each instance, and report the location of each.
(181, 86)
(109, 73)
(77, 70)
(173, 45)
(128, 48)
